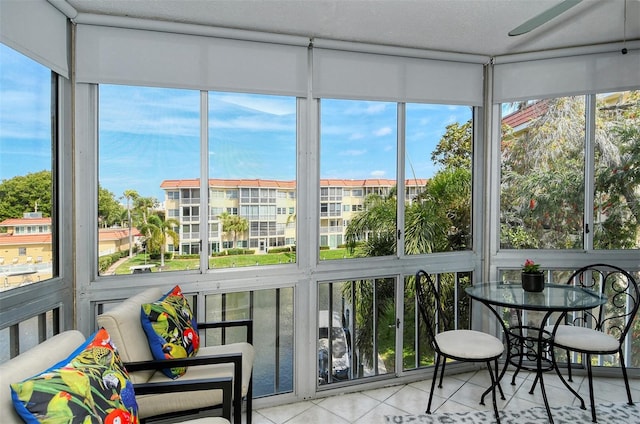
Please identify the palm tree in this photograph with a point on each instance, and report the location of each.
(440, 218)
(375, 227)
(157, 232)
(143, 207)
(130, 195)
(234, 224)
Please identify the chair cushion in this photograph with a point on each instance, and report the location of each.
(171, 329)
(123, 324)
(157, 404)
(91, 385)
(469, 344)
(584, 339)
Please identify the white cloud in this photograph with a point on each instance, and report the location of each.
(353, 152)
(266, 104)
(382, 131)
(366, 108)
(378, 174)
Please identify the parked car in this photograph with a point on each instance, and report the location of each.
(340, 348)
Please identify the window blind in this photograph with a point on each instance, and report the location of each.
(388, 77)
(38, 30)
(153, 58)
(563, 76)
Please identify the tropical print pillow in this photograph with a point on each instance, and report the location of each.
(171, 329)
(91, 386)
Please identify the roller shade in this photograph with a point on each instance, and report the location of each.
(38, 30)
(153, 58)
(345, 74)
(583, 74)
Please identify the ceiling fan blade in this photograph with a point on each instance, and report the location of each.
(544, 17)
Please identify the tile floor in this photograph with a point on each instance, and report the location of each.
(459, 393)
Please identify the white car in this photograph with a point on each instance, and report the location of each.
(340, 348)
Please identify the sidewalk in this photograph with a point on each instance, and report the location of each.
(112, 269)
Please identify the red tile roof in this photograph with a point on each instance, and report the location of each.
(105, 234)
(526, 114)
(22, 239)
(13, 222)
(288, 184)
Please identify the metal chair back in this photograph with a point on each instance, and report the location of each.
(616, 316)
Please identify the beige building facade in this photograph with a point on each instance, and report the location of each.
(269, 206)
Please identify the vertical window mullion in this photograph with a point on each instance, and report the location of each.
(400, 192)
(589, 170)
(204, 181)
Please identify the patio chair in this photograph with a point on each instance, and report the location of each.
(448, 343)
(600, 331)
(236, 360)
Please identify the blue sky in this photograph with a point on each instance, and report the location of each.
(25, 123)
(148, 134)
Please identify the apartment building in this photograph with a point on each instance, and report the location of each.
(269, 206)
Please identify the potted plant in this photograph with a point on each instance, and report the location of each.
(532, 278)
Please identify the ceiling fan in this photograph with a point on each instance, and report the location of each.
(544, 17)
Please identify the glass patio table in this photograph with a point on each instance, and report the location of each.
(523, 316)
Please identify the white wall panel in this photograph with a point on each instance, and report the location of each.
(38, 30)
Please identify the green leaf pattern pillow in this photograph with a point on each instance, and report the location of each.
(171, 329)
(91, 386)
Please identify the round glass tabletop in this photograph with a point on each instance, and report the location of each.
(554, 297)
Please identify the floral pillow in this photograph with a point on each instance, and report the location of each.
(91, 386)
(171, 329)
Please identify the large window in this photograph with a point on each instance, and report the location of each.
(252, 167)
(356, 329)
(546, 160)
(438, 165)
(27, 177)
(542, 181)
(616, 221)
(149, 161)
(358, 167)
(358, 186)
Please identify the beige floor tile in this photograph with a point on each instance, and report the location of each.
(383, 393)
(280, 414)
(461, 393)
(413, 400)
(377, 414)
(317, 414)
(350, 406)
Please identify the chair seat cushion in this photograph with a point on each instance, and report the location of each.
(91, 385)
(584, 339)
(469, 344)
(157, 404)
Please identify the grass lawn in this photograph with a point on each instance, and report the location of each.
(232, 261)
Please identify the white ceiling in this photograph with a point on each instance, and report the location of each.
(462, 26)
